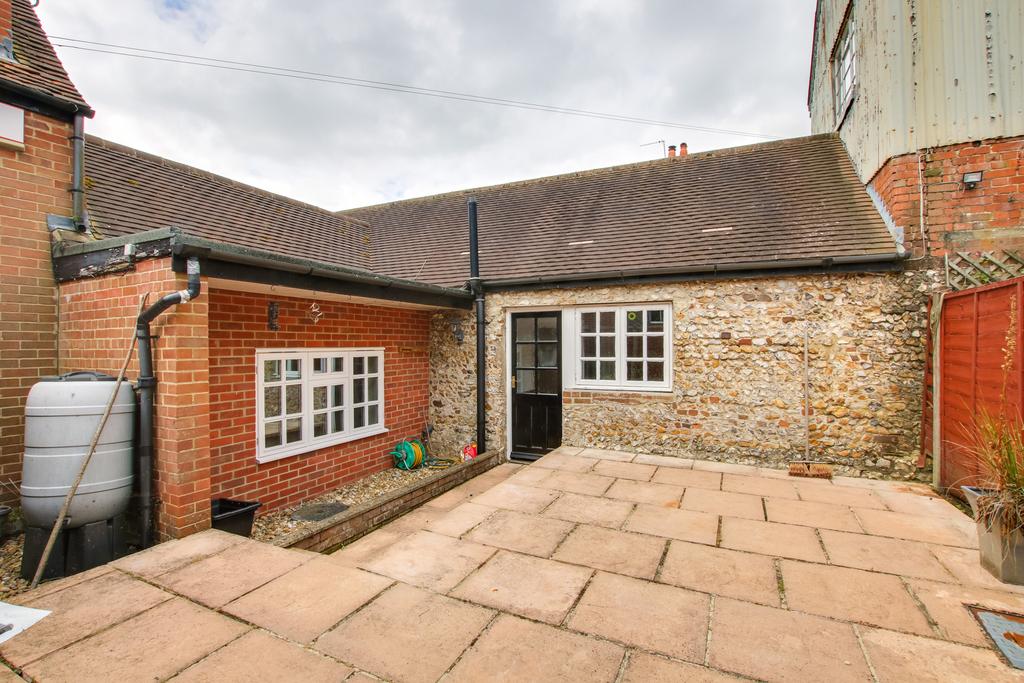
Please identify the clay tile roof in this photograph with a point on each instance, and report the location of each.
(761, 204)
(37, 70)
(128, 191)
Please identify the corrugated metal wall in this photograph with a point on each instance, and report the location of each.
(930, 73)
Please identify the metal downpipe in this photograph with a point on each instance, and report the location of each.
(481, 353)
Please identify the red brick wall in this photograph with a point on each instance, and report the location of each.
(957, 219)
(97, 317)
(33, 183)
(238, 326)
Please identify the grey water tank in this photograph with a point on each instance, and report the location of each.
(61, 416)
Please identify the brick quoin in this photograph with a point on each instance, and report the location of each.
(238, 327)
(958, 219)
(33, 183)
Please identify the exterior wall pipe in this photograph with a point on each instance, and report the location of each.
(481, 354)
(147, 389)
(78, 174)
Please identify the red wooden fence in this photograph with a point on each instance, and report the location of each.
(972, 346)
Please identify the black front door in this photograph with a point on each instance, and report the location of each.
(536, 383)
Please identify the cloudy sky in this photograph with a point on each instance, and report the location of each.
(731, 64)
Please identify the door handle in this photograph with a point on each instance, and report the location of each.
(513, 381)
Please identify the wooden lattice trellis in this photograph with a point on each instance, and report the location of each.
(966, 269)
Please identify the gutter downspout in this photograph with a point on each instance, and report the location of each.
(78, 174)
(147, 388)
(481, 361)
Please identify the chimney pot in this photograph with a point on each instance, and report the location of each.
(671, 151)
(682, 149)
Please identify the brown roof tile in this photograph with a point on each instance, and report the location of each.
(37, 67)
(772, 202)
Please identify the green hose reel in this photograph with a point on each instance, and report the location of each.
(409, 455)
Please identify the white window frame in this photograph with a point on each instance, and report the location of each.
(573, 341)
(843, 67)
(308, 381)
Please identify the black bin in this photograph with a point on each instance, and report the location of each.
(234, 516)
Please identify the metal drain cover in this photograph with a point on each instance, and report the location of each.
(1006, 631)
(316, 512)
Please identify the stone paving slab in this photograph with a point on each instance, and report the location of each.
(574, 568)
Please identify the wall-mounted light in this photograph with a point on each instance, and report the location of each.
(457, 332)
(972, 179)
(272, 313)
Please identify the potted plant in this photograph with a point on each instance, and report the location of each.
(997, 440)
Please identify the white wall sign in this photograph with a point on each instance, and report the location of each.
(12, 125)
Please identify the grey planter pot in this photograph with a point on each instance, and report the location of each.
(1001, 555)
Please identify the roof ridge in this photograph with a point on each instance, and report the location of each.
(96, 141)
(711, 153)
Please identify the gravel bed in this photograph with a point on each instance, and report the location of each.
(278, 523)
(11, 582)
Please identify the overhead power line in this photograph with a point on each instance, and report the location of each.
(298, 74)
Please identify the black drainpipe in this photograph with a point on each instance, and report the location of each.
(481, 359)
(78, 174)
(147, 388)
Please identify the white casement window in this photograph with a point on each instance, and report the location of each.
(623, 347)
(309, 399)
(844, 68)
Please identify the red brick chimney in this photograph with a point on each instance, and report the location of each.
(682, 149)
(671, 151)
(5, 19)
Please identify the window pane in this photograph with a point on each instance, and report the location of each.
(588, 347)
(320, 424)
(525, 329)
(547, 381)
(634, 321)
(271, 371)
(525, 355)
(293, 429)
(656, 346)
(547, 329)
(319, 366)
(608, 369)
(635, 371)
(607, 347)
(319, 398)
(588, 322)
(271, 401)
(358, 365)
(359, 391)
(589, 370)
(635, 347)
(371, 389)
(371, 363)
(656, 321)
(359, 417)
(337, 421)
(271, 434)
(337, 364)
(656, 371)
(372, 414)
(293, 369)
(547, 355)
(337, 395)
(293, 399)
(608, 321)
(526, 381)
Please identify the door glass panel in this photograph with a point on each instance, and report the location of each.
(525, 329)
(589, 370)
(371, 389)
(293, 399)
(608, 321)
(547, 355)
(272, 434)
(655, 371)
(656, 346)
(320, 424)
(547, 381)
(271, 371)
(607, 347)
(319, 398)
(372, 416)
(608, 369)
(337, 395)
(359, 391)
(371, 364)
(337, 421)
(526, 381)
(635, 347)
(359, 417)
(588, 347)
(271, 401)
(293, 429)
(588, 322)
(358, 365)
(634, 321)
(547, 329)
(655, 321)
(635, 371)
(525, 355)
(293, 369)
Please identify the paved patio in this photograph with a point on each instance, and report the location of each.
(587, 565)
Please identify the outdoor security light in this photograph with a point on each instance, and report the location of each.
(972, 179)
